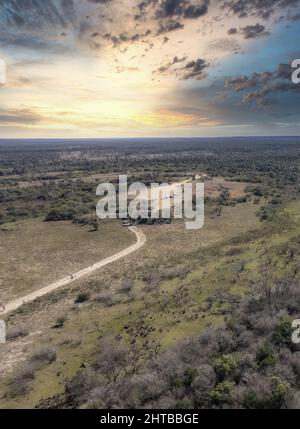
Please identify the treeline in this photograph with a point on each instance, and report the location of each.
(272, 171)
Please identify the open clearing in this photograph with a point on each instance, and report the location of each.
(141, 240)
(34, 253)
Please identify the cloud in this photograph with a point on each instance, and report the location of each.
(232, 31)
(295, 17)
(195, 69)
(284, 71)
(171, 11)
(262, 8)
(167, 66)
(262, 85)
(252, 31)
(18, 116)
(181, 8)
(239, 83)
(125, 37)
(36, 14)
(53, 25)
(249, 31)
(170, 25)
(224, 45)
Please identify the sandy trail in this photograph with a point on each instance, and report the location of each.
(141, 240)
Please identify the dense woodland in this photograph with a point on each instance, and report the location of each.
(52, 180)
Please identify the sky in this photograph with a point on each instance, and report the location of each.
(147, 68)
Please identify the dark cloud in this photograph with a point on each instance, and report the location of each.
(193, 11)
(170, 25)
(195, 70)
(44, 25)
(18, 116)
(273, 101)
(249, 31)
(284, 71)
(259, 86)
(172, 9)
(239, 83)
(181, 8)
(126, 37)
(253, 31)
(261, 8)
(37, 14)
(167, 66)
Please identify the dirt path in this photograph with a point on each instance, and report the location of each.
(141, 239)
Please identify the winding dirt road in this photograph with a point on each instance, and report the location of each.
(141, 240)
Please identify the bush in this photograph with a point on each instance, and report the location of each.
(126, 285)
(282, 335)
(45, 355)
(82, 297)
(60, 321)
(222, 393)
(225, 366)
(16, 332)
(105, 297)
(202, 384)
(20, 384)
(280, 389)
(60, 214)
(152, 285)
(265, 356)
(179, 271)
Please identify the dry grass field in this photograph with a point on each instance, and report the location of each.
(167, 246)
(216, 185)
(34, 253)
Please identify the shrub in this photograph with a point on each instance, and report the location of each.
(82, 297)
(282, 335)
(179, 271)
(265, 356)
(44, 355)
(105, 297)
(60, 214)
(20, 383)
(111, 359)
(126, 285)
(222, 393)
(202, 384)
(16, 332)
(225, 366)
(280, 389)
(153, 283)
(59, 322)
(233, 251)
